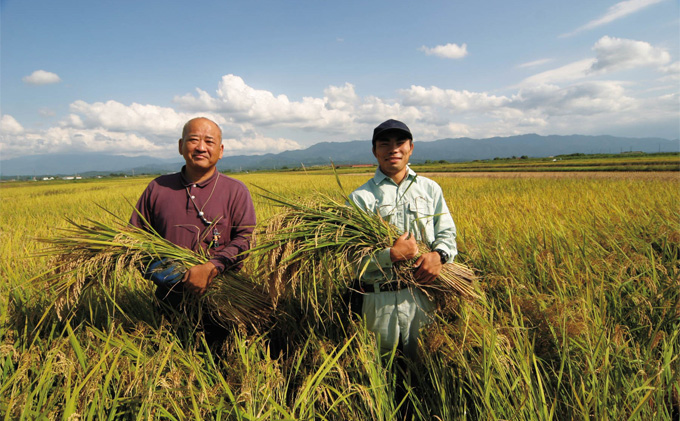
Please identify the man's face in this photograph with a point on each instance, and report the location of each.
(393, 150)
(201, 146)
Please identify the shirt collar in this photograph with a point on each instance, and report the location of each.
(187, 183)
(379, 176)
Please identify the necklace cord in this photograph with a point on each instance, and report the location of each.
(201, 215)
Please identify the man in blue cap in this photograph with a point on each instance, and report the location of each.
(392, 310)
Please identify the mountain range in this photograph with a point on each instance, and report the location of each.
(341, 153)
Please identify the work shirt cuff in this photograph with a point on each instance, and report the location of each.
(383, 258)
(219, 264)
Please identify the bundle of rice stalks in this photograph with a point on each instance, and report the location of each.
(323, 234)
(97, 254)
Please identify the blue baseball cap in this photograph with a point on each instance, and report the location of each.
(391, 125)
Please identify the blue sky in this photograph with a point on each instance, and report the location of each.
(122, 77)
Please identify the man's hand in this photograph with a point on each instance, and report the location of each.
(405, 247)
(428, 267)
(198, 278)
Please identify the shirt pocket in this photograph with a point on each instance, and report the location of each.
(388, 213)
(420, 213)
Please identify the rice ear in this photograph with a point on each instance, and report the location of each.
(338, 236)
(96, 255)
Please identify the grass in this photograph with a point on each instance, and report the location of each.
(581, 318)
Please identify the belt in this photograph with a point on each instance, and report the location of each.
(385, 286)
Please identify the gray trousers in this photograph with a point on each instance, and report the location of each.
(397, 316)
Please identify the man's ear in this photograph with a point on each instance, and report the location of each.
(179, 148)
(373, 149)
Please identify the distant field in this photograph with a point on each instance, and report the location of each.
(581, 272)
(663, 162)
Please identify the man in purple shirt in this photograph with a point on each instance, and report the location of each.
(197, 208)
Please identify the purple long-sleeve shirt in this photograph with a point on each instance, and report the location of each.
(168, 207)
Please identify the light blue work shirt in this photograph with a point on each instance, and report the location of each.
(416, 205)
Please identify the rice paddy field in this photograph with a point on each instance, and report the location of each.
(580, 316)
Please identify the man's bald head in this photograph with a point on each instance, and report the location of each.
(187, 127)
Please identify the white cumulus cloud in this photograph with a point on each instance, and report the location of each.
(673, 68)
(563, 101)
(454, 51)
(341, 98)
(10, 126)
(618, 54)
(41, 77)
(586, 98)
(115, 116)
(672, 72)
(451, 99)
(69, 139)
(143, 128)
(568, 99)
(246, 104)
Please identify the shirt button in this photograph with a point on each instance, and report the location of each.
(193, 197)
(194, 185)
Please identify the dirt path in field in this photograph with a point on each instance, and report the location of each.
(644, 175)
(654, 175)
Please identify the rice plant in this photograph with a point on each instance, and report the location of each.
(96, 254)
(581, 278)
(324, 235)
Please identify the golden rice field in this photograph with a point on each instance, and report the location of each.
(581, 317)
